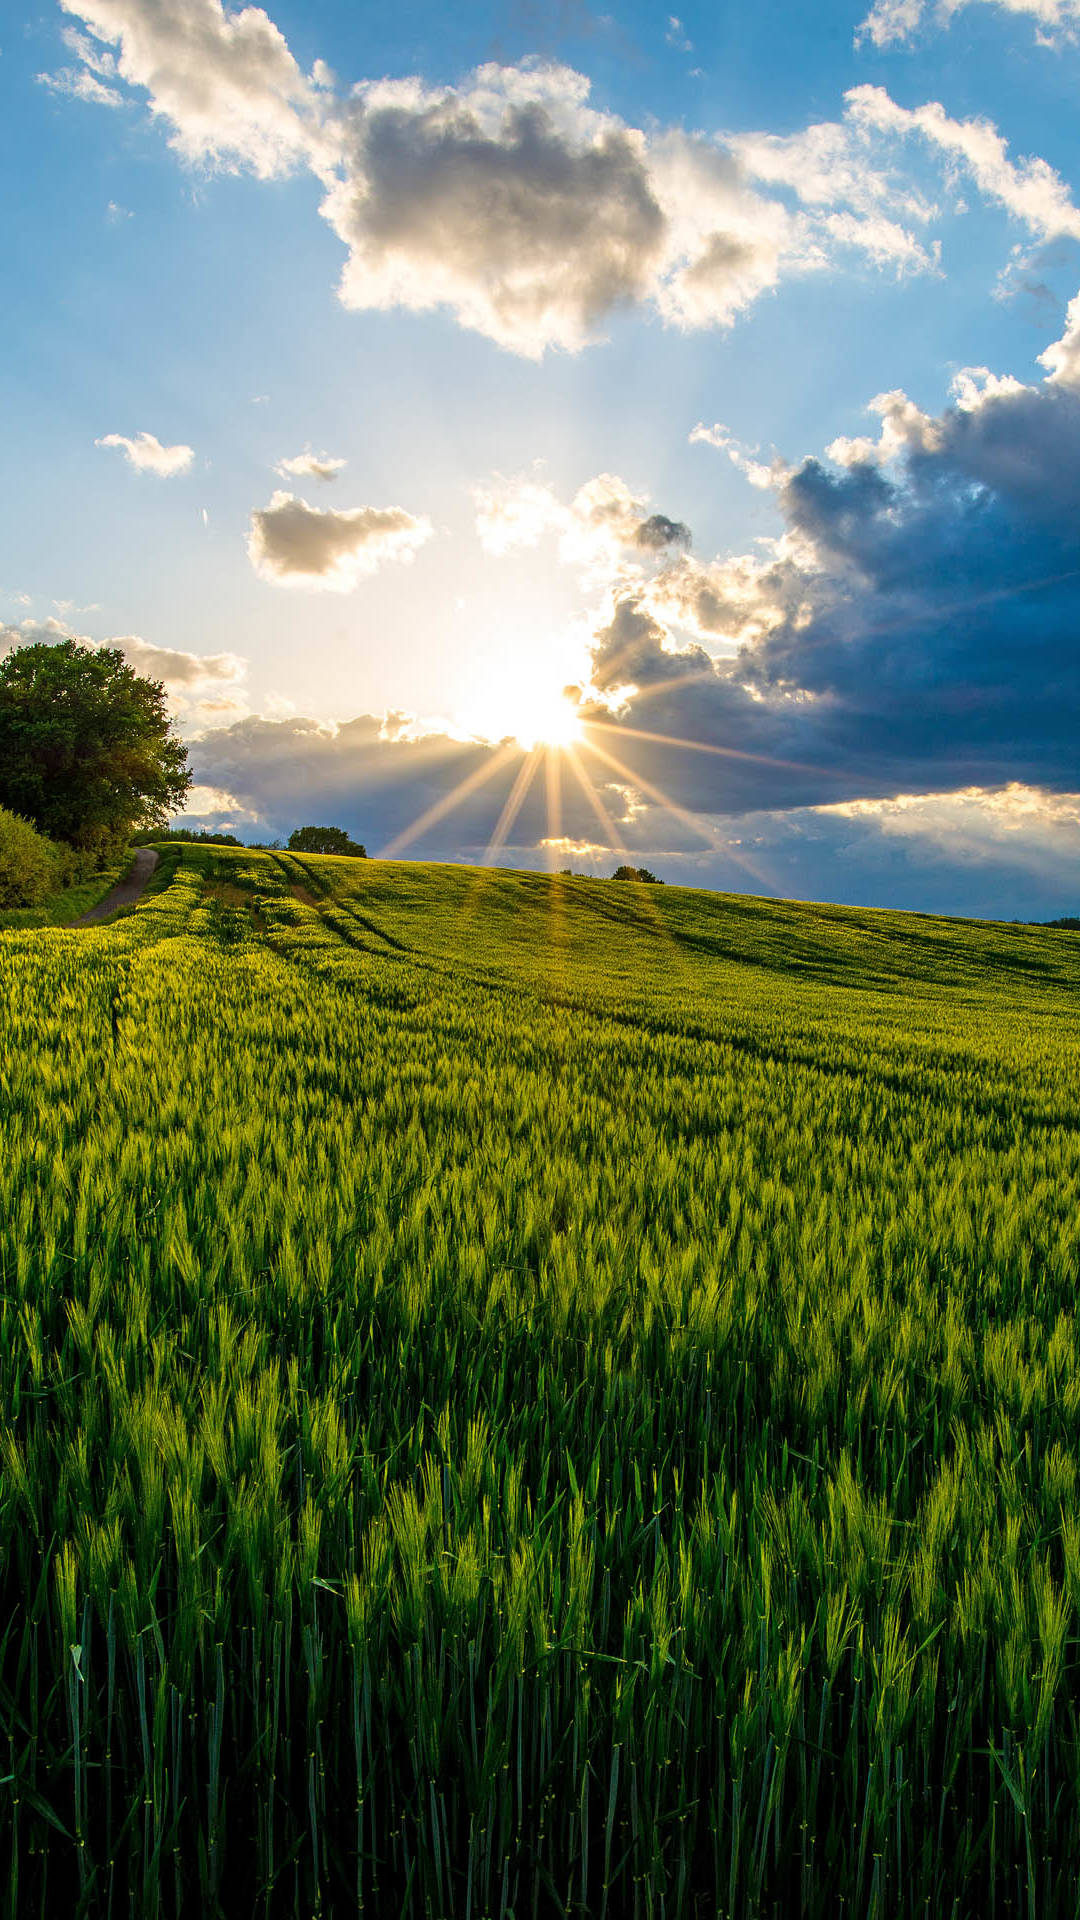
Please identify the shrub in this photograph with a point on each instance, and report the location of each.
(31, 868)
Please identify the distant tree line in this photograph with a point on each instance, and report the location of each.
(620, 873)
(301, 840)
(188, 836)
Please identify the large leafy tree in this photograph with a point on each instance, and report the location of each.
(325, 840)
(87, 750)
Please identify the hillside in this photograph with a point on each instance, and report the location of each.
(537, 1396)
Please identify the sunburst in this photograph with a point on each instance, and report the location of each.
(562, 736)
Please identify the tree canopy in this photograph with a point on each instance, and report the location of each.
(325, 840)
(87, 750)
(637, 873)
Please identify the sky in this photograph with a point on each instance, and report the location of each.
(559, 437)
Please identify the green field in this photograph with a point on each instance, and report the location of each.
(526, 1396)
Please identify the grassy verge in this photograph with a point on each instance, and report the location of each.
(65, 907)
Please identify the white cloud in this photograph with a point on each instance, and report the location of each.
(604, 522)
(903, 426)
(891, 22)
(310, 466)
(215, 810)
(226, 82)
(147, 454)
(736, 601)
(848, 174)
(745, 458)
(831, 164)
(508, 200)
(516, 514)
(1024, 824)
(80, 84)
(1062, 357)
(1029, 190)
(528, 214)
(295, 544)
(179, 669)
(972, 387)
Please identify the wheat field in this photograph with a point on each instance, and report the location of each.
(529, 1396)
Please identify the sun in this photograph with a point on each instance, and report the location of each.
(532, 715)
(551, 722)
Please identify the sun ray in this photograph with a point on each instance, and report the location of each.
(450, 800)
(709, 746)
(512, 806)
(676, 683)
(523, 780)
(595, 802)
(558, 904)
(553, 785)
(738, 859)
(647, 892)
(654, 793)
(553, 791)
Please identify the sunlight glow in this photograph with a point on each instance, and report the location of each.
(548, 721)
(519, 705)
(556, 735)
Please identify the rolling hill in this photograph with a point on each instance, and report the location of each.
(524, 1395)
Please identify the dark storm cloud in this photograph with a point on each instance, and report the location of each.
(918, 630)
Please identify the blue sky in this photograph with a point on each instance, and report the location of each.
(570, 324)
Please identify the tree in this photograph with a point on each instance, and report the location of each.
(637, 873)
(325, 840)
(87, 750)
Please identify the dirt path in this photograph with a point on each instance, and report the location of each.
(126, 891)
